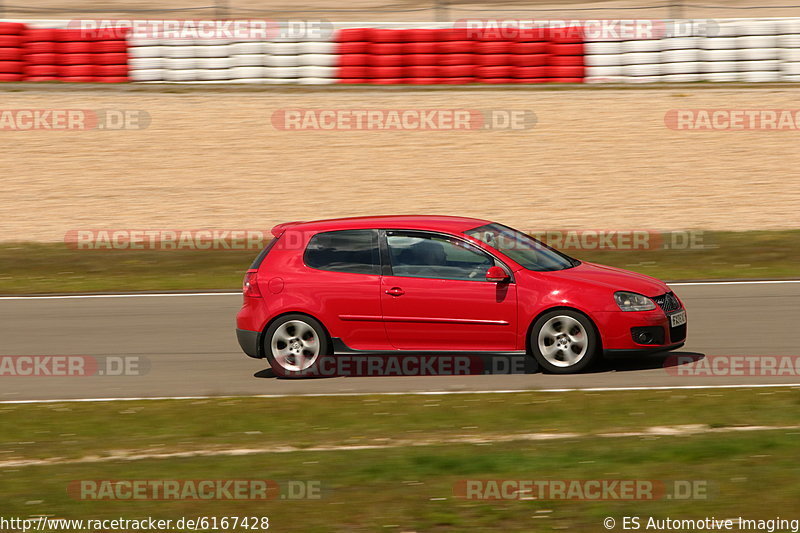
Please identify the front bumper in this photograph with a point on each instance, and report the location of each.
(615, 331)
(248, 340)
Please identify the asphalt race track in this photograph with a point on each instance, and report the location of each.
(187, 345)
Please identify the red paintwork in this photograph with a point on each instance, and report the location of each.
(433, 314)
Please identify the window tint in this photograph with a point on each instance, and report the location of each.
(353, 251)
(427, 256)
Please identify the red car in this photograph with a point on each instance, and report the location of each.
(439, 283)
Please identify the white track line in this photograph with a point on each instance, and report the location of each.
(417, 393)
(238, 293)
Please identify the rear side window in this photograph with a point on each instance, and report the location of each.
(354, 251)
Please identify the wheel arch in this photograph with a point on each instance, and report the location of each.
(272, 320)
(529, 330)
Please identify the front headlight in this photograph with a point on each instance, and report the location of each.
(631, 301)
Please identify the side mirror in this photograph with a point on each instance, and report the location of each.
(497, 274)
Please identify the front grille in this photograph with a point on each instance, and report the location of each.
(677, 334)
(668, 302)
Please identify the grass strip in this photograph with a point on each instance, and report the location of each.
(75, 430)
(36, 268)
(412, 489)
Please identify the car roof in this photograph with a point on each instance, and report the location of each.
(418, 222)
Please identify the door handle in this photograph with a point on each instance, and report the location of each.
(395, 291)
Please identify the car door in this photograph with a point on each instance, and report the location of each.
(435, 296)
(345, 285)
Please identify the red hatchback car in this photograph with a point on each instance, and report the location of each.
(439, 283)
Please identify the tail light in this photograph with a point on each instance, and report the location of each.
(250, 287)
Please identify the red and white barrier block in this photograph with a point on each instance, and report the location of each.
(740, 50)
(12, 65)
(30, 53)
(427, 56)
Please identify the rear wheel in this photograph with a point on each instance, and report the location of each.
(563, 341)
(295, 345)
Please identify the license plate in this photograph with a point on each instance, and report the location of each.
(678, 319)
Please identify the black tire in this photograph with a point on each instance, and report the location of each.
(567, 341)
(296, 359)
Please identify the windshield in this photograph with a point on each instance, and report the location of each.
(522, 248)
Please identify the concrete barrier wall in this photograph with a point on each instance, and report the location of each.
(741, 50)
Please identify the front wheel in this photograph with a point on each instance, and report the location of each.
(563, 341)
(295, 346)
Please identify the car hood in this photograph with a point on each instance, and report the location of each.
(615, 279)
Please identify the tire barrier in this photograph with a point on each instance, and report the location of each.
(31, 53)
(738, 50)
(41, 60)
(90, 58)
(225, 61)
(12, 52)
(427, 56)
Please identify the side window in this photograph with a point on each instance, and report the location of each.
(418, 255)
(354, 251)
